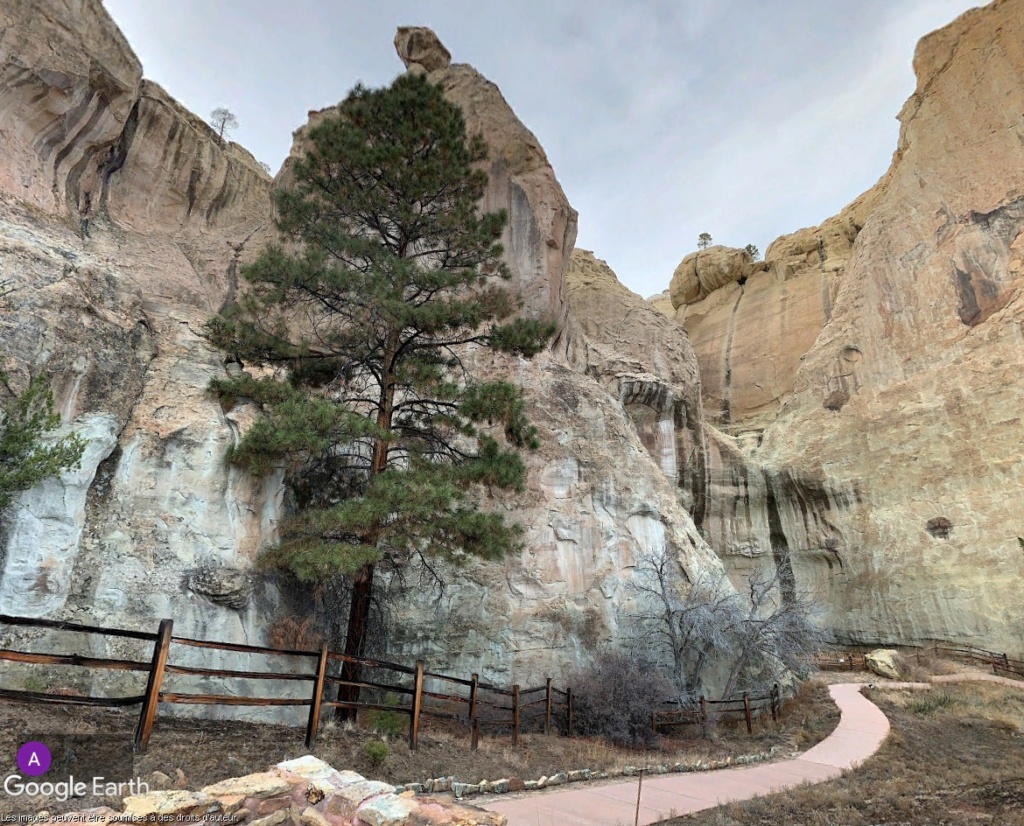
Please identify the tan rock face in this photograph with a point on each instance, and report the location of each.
(159, 526)
(419, 46)
(542, 225)
(892, 452)
(701, 273)
(751, 322)
(645, 360)
(65, 93)
(541, 229)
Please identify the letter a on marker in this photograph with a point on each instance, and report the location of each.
(34, 760)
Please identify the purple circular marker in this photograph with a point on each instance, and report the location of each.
(34, 758)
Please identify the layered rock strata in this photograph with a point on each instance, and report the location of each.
(884, 461)
(124, 220)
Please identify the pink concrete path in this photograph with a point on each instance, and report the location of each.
(861, 730)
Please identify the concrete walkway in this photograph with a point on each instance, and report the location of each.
(861, 731)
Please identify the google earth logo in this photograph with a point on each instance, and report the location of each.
(34, 758)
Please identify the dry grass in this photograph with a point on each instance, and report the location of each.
(205, 751)
(955, 757)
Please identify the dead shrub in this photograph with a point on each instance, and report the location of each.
(294, 634)
(615, 696)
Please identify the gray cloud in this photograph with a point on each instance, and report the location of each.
(662, 119)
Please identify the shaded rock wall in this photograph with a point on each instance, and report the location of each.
(116, 316)
(885, 399)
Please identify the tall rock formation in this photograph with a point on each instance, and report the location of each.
(876, 447)
(123, 221)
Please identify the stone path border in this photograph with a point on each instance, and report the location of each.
(861, 731)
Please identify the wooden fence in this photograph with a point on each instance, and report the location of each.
(482, 704)
(999, 662)
(725, 709)
(841, 662)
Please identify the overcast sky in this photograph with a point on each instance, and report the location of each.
(663, 119)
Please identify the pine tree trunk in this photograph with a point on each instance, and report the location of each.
(362, 587)
(358, 624)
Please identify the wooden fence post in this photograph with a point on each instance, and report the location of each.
(156, 677)
(1006, 662)
(515, 715)
(313, 726)
(746, 712)
(654, 722)
(568, 712)
(475, 742)
(703, 716)
(775, 703)
(472, 697)
(417, 707)
(547, 710)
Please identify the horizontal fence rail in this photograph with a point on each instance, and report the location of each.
(401, 689)
(1000, 662)
(705, 711)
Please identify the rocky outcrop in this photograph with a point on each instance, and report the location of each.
(617, 481)
(419, 46)
(300, 792)
(66, 93)
(885, 662)
(751, 322)
(123, 220)
(701, 273)
(644, 360)
(541, 230)
(885, 455)
(166, 529)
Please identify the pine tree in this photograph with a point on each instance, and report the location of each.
(704, 240)
(392, 277)
(25, 419)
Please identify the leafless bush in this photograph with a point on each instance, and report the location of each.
(771, 629)
(782, 631)
(690, 624)
(615, 696)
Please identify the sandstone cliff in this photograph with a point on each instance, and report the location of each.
(869, 378)
(155, 524)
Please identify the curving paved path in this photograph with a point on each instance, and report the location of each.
(861, 731)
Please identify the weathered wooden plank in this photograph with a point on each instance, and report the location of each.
(313, 724)
(417, 707)
(447, 678)
(367, 706)
(402, 669)
(147, 717)
(227, 672)
(230, 700)
(57, 625)
(66, 699)
(397, 689)
(242, 649)
(452, 698)
(72, 659)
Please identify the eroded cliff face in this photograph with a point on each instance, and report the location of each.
(155, 524)
(113, 309)
(752, 321)
(876, 440)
